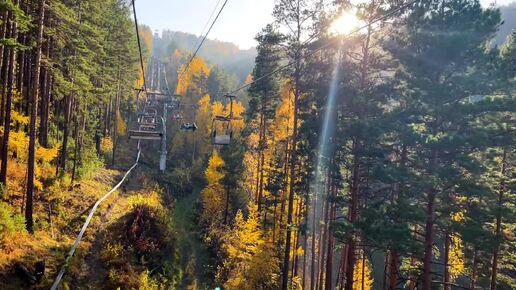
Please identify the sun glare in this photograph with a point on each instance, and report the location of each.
(345, 23)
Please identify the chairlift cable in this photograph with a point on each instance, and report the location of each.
(207, 22)
(202, 42)
(139, 46)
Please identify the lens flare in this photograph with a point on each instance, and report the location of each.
(345, 23)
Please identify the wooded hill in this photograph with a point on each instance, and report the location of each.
(223, 54)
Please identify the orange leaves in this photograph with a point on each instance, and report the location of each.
(363, 270)
(106, 144)
(284, 121)
(46, 154)
(248, 79)
(196, 69)
(213, 172)
(212, 195)
(17, 118)
(121, 125)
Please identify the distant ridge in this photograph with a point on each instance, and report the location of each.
(227, 55)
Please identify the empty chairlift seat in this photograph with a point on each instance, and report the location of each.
(222, 139)
(145, 135)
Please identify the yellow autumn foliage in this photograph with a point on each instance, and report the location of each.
(151, 199)
(106, 145)
(365, 270)
(121, 125)
(212, 195)
(213, 173)
(196, 68)
(245, 237)
(456, 255)
(17, 118)
(203, 120)
(249, 263)
(284, 120)
(46, 154)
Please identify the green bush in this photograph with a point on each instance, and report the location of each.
(9, 221)
(90, 163)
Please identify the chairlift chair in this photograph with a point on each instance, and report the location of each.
(227, 133)
(188, 127)
(145, 119)
(150, 111)
(145, 135)
(147, 129)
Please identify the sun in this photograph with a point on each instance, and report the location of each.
(345, 23)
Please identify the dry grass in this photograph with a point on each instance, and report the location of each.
(59, 213)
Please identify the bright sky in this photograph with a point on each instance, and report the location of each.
(238, 23)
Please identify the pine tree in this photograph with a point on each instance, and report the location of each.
(263, 98)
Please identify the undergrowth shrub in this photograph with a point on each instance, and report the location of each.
(90, 163)
(140, 251)
(10, 222)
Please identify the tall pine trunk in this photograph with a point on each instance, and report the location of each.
(350, 268)
(5, 64)
(446, 274)
(293, 159)
(429, 231)
(262, 144)
(474, 270)
(3, 31)
(68, 104)
(326, 234)
(8, 101)
(314, 239)
(33, 116)
(45, 99)
(496, 251)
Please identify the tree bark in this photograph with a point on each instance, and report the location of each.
(474, 270)
(33, 116)
(262, 157)
(429, 226)
(352, 217)
(393, 270)
(68, 103)
(3, 32)
(8, 102)
(293, 154)
(5, 68)
(446, 274)
(329, 255)
(429, 230)
(45, 100)
(496, 251)
(116, 116)
(314, 238)
(76, 146)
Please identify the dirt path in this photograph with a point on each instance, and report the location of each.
(92, 270)
(193, 256)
